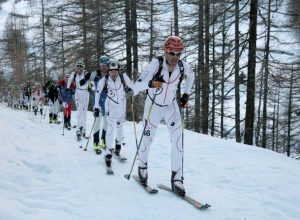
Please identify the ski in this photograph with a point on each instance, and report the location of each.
(97, 151)
(147, 188)
(187, 198)
(109, 171)
(119, 157)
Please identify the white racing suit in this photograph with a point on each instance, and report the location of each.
(81, 98)
(115, 107)
(162, 104)
(36, 99)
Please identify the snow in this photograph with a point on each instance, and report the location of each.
(45, 175)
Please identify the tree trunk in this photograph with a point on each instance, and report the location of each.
(134, 33)
(266, 79)
(128, 37)
(205, 85)
(237, 77)
(248, 138)
(199, 69)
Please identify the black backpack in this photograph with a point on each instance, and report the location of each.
(122, 81)
(181, 69)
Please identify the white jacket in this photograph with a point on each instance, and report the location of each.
(166, 95)
(115, 91)
(77, 80)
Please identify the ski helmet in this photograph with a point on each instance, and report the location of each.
(55, 78)
(113, 65)
(173, 44)
(103, 59)
(80, 63)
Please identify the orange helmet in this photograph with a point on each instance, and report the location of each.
(174, 44)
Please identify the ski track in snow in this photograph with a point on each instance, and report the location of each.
(45, 175)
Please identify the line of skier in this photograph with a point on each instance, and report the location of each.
(161, 80)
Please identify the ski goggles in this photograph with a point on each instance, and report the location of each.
(174, 54)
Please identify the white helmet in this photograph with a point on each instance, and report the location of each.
(55, 78)
(113, 65)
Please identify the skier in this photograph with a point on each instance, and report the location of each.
(51, 91)
(114, 84)
(80, 76)
(98, 74)
(67, 99)
(36, 96)
(161, 78)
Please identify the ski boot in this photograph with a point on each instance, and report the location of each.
(143, 175)
(83, 133)
(50, 118)
(177, 185)
(78, 135)
(96, 148)
(103, 142)
(117, 149)
(108, 160)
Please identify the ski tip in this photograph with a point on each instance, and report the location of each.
(153, 191)
(127, 176)
(206, 206)
(109, 172)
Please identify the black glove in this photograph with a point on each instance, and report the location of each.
(96, 112)
(129, 91)
(60, 102)
(156, 82)
(184, 100)
(96, 79)
(67, 89)
(82, 82)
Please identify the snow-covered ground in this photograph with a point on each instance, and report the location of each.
(45, 175)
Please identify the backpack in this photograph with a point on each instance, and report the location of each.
(122, 81)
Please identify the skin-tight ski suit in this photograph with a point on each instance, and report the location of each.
(162, 104)
(115, 106)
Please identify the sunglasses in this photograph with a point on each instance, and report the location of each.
(173, 54)
(79, 67)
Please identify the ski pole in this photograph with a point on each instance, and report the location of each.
(85, 149)
(133, 120)
(127, 176)
(63, 133)
(182, 126)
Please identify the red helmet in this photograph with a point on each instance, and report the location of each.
(174, 44)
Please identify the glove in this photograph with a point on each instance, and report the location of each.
(91, 87)
(67, 89)
(96, 112)
(156, 82)
(82, 82)
(60, 102)
(96, 79)
(129, 91)
(65, 105)
(184, 100)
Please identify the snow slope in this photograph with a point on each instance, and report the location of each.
(45, 175)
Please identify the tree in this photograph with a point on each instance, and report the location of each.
(248, 138)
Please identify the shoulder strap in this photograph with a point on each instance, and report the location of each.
(123, 81)
(75, 74)
(160, 60)
(181, 69)
(105, 84)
